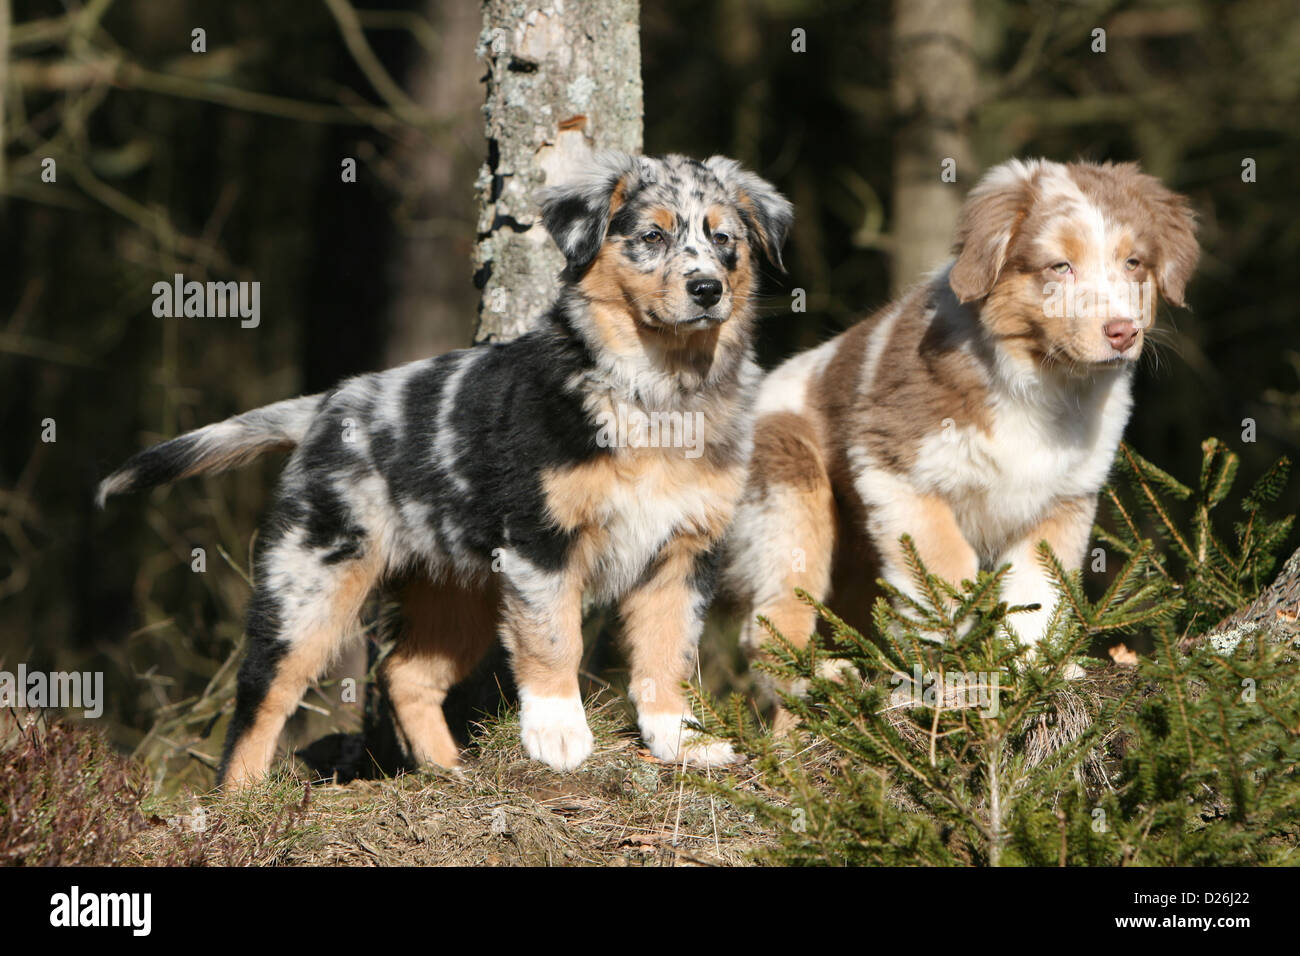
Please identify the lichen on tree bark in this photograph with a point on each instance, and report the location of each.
(563, 82)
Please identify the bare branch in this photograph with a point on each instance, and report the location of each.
(354, 38)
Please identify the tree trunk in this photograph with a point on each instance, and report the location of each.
(563, 82)
(934, 97)
(1276, 612)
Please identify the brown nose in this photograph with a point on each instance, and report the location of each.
(1121, 333)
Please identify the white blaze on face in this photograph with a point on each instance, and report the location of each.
(1098, 289)
(694, 255)
(697, 257)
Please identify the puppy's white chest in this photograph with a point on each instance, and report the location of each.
(638, 519)
(1001, 481)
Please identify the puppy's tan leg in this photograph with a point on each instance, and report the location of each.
(895, 509)
(1066, 529)
(662, 619)
(783, 538)
(541, 627)
(302, 612)
(447, 630)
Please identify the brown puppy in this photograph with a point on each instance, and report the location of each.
(979, 413)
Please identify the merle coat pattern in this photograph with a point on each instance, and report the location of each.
(978, 414)
(488, 478)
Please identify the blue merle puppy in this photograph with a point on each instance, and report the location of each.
(491, 478)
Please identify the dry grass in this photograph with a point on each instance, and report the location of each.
(621, 808)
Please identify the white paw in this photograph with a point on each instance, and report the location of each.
(707, 753)
(554, 730)
(1071, 671)
(1074, 672)
(670, 740)
(1030, 626)
(839, 671)
(836, 670)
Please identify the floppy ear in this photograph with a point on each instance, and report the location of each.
(768, 215)
(986, 225)
(1174, 226)
(576, 213)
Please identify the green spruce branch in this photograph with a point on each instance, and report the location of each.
(1191, 758)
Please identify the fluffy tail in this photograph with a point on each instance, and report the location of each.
(214, 448)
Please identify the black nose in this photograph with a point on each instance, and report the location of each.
(704, 291)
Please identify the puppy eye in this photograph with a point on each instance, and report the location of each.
(1131, 263)
(721, 238)
(1062, 268)
(654, 235)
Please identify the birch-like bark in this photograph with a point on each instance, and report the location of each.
(1275, 613)
(563, 82)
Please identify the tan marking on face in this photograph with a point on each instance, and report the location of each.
(611, 281)
(619, 295)
(742, 278)
(665, 219)
(1014, 314)
(1074, 244)
(1125, 245)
